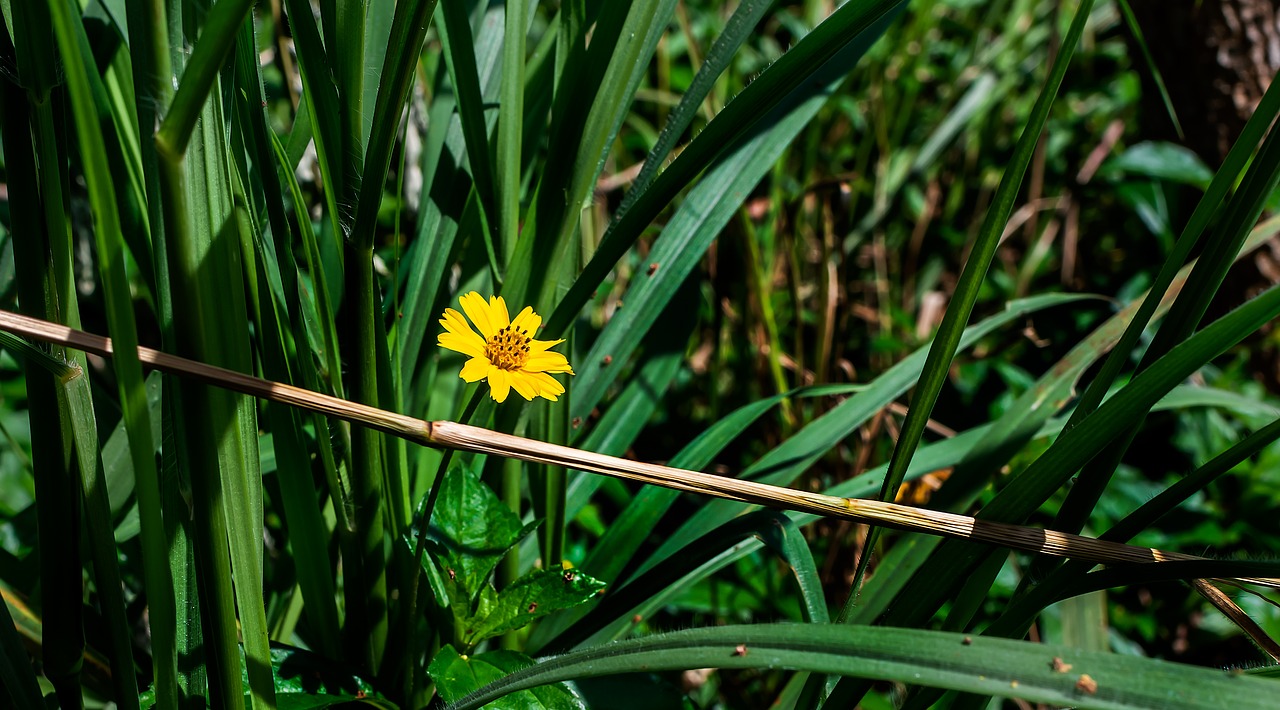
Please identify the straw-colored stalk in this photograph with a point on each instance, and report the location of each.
(463, 437)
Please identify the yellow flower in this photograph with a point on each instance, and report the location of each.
(504, 352)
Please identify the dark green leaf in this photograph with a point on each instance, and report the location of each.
(1162, 161)
(531, 597)
(998, 667)
(457, 675)
(475, 529)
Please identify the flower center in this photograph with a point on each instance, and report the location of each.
(508, 349)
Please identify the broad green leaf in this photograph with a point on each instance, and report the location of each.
(475, 528)
(1162, 161)
(531, 597)
(457, 676)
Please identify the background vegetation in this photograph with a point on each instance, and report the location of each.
(877, 249)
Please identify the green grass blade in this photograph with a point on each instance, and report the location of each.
(785, 462)
(510, 128)
(20, 683)
(58, 502)
(408, 30)
(306, 527)
(220, 428)
(102, 545)
(736, 31)
(307, 533)
(320, 94)
(1242, 211)
(725, 132)
(331, 367)
(75, 399)
(783, 536)
(459, 47)
(217, 37)
(989, 666)
(123, 329)
(366, 574)
(1132, 23)
(344, 38)
(933, 375)
(703, 216)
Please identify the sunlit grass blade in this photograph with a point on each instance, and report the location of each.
(990, 666)
(460, 50)
(200, 73)
(408, 30)
(120, 319)
(1239, 215)
(736, 31)
(933, 375)
(602, 75)
(706, 210)
(1076, 446)
(785, 462)
(727, 131)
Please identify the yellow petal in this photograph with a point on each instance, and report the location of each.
(524, 384)
(476, 369)
(499, 384)
(537, 346)
(547, 362)
(478, 311)
(456, 342)
(454, 322)
(549, 387)
(498, 315)
(528, 322)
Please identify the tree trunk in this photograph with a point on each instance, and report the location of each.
(1217, 57)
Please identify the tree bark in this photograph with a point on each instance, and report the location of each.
(1217, 57)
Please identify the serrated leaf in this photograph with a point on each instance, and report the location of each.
(457, 676)
(474, 529)
(533, 596)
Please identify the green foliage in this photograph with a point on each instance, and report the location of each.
(457, 676)
(476, 530)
